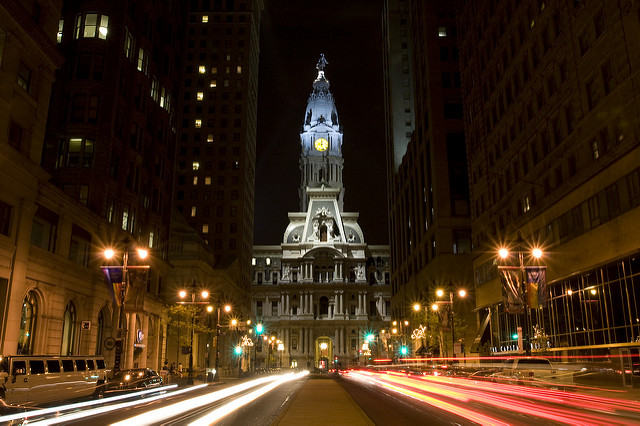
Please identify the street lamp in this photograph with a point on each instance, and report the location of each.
(119, 275)
(440, 293)
(227, 309)
(523, 286)
(204, 294)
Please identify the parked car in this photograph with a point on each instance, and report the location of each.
(533, 371)
(137, 378)
(45, 379)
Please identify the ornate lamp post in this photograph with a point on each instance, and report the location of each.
(204, 294)
(227, 308)
(515, 280)
(120, 275)
(462, 294)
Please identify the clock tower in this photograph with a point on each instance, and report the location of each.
(321, 159)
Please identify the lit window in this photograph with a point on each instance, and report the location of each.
(195, 180)
(59, 35)
(193, 211)
(151, 239)
(210, 138)
(239, 69)
(90, 22)
(198, 123)
(125, 218)
(213, 84)
(205, 19)
(253, 261)
(200, 96)
(140, 58)
(268, 261)
(227, 56)
(195, 165)
(526, 204)
(154, 89)
(207, 180)
(205, 229)
(202, 69)
(163, 94)
(128, 42)
(214, 70)
(104, 27)
(442, 31)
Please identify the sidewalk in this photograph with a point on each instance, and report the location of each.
(322, 401)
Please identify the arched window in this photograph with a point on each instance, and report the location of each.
(68, 329)
(324, 305)
(28, 324)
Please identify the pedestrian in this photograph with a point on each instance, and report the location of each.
(180, 369)
(173, 367)
(166, 364)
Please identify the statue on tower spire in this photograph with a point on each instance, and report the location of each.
(322, 62)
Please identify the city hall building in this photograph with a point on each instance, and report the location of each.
(323, 290)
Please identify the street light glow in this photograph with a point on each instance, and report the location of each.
(537, 253)
(209, 308)
(234, 322)
(205, 294)
(142, 253)
(504, 253)
(434, 306)
(183, 294)
(439, 293)
(109, 253)
(416, 307)
(462, 293)
(227, 308)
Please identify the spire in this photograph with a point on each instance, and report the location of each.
(321, 83)
(320, 106)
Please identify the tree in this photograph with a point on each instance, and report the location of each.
(180, 319)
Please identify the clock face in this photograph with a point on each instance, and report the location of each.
(321, 144)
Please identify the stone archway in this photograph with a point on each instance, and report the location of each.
(323, 356)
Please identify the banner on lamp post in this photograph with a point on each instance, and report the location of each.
(537, 295)
(115, 281)
(511, 283)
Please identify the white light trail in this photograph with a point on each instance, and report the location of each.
(101, 410)
(173, 410)
(226, 409)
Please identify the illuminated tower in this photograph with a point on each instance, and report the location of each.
(321, 141)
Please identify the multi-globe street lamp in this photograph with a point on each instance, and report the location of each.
(120, 275)
(204, 295)
(435, 307)
(516, 280)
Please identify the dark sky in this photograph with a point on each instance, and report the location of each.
(294, 34)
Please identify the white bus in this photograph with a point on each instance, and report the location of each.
(28, 380)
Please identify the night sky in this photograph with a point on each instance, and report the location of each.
(294, 33)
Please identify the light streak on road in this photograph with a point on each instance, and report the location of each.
(62, 418)
(174, 410)
(83, 404)
(219, 413)
(454, 394)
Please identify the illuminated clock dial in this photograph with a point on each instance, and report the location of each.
(321, 144)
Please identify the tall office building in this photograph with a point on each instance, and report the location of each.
(217, 142)
(111, 140)
(428, 191)
(552, 135)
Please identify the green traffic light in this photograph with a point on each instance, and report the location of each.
(259, 328)
(515, 336)
(238, 350)
(370, 337)
(404, 350)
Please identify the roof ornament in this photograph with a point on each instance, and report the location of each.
(322, 62)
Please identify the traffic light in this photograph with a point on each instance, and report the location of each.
(370, 337)
(404, 350)
(335, 359)
(259, 328)
(238, 350)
